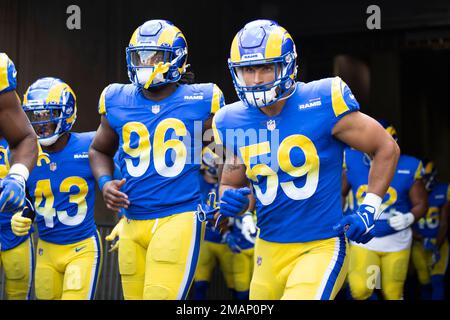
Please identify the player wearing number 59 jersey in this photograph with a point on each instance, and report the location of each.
(287, 138)
(62, 188)
(156, 125)
(405, 201)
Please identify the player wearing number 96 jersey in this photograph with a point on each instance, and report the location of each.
(287, 139)
(404, 202)
(156, 125)
(62, 188)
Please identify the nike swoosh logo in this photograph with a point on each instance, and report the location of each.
(79, 249)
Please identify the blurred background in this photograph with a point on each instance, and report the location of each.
(400, 73)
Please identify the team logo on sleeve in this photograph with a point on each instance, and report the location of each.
(271, 125)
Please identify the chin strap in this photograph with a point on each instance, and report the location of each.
(159, 68)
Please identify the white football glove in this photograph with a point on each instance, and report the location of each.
(248, 229)
(400, 221)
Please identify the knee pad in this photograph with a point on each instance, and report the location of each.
(73, 278)
(45, 284)
(127, 257)
(359, 288)
(166, 248)
(16, 268)
(158, 292)
(200, 290)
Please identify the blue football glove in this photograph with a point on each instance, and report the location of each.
(231, 241)
(234, 201)
(383, 228)
(12, 193)
(358, 227)
(206, 211)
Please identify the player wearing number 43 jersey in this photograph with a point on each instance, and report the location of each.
(62, 188)
(404, 202)
(156, 125)
(288, 139)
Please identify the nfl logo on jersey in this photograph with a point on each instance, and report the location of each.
(156, 108)
(52, 166)
(271, 125)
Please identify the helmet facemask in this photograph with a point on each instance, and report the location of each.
(264, 94)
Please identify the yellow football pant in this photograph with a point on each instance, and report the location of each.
(422, 261)
(69, 271)
(299, 271)
(18, 264)
(210, 254)
(158, 257)
(243, 269)
(366, 266)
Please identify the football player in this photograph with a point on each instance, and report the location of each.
(16, 253)
(155, 123)
(430, 245)
(288, 137)
(386, 255)
(62, 188)
(19, 134)
(213, 248)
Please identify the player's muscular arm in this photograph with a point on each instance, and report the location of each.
(101, 155)
(443, 224)
(102, 149)
(419, 199)
(17, 130)
(365, 134)
(232, 175)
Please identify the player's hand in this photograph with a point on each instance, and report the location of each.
(20, 225)
(113, 197)
(234, 201)
(12, 193)
(209, 211)
(358, 227)
(115, 235)
(400, 221)
(248, 228)
(231, 241)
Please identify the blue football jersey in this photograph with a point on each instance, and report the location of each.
(408, 170)
(8, 239)
(428, 226)
(160, 145)
(62, 188)
(292, 159)
(211, 234)
(7, 74)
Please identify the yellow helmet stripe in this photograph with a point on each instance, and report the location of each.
(337, 100)
(168, 35)
(4, 81)
(55, 92)
(274, 43)
(133, 40)
(235, 54)
(429, 167)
